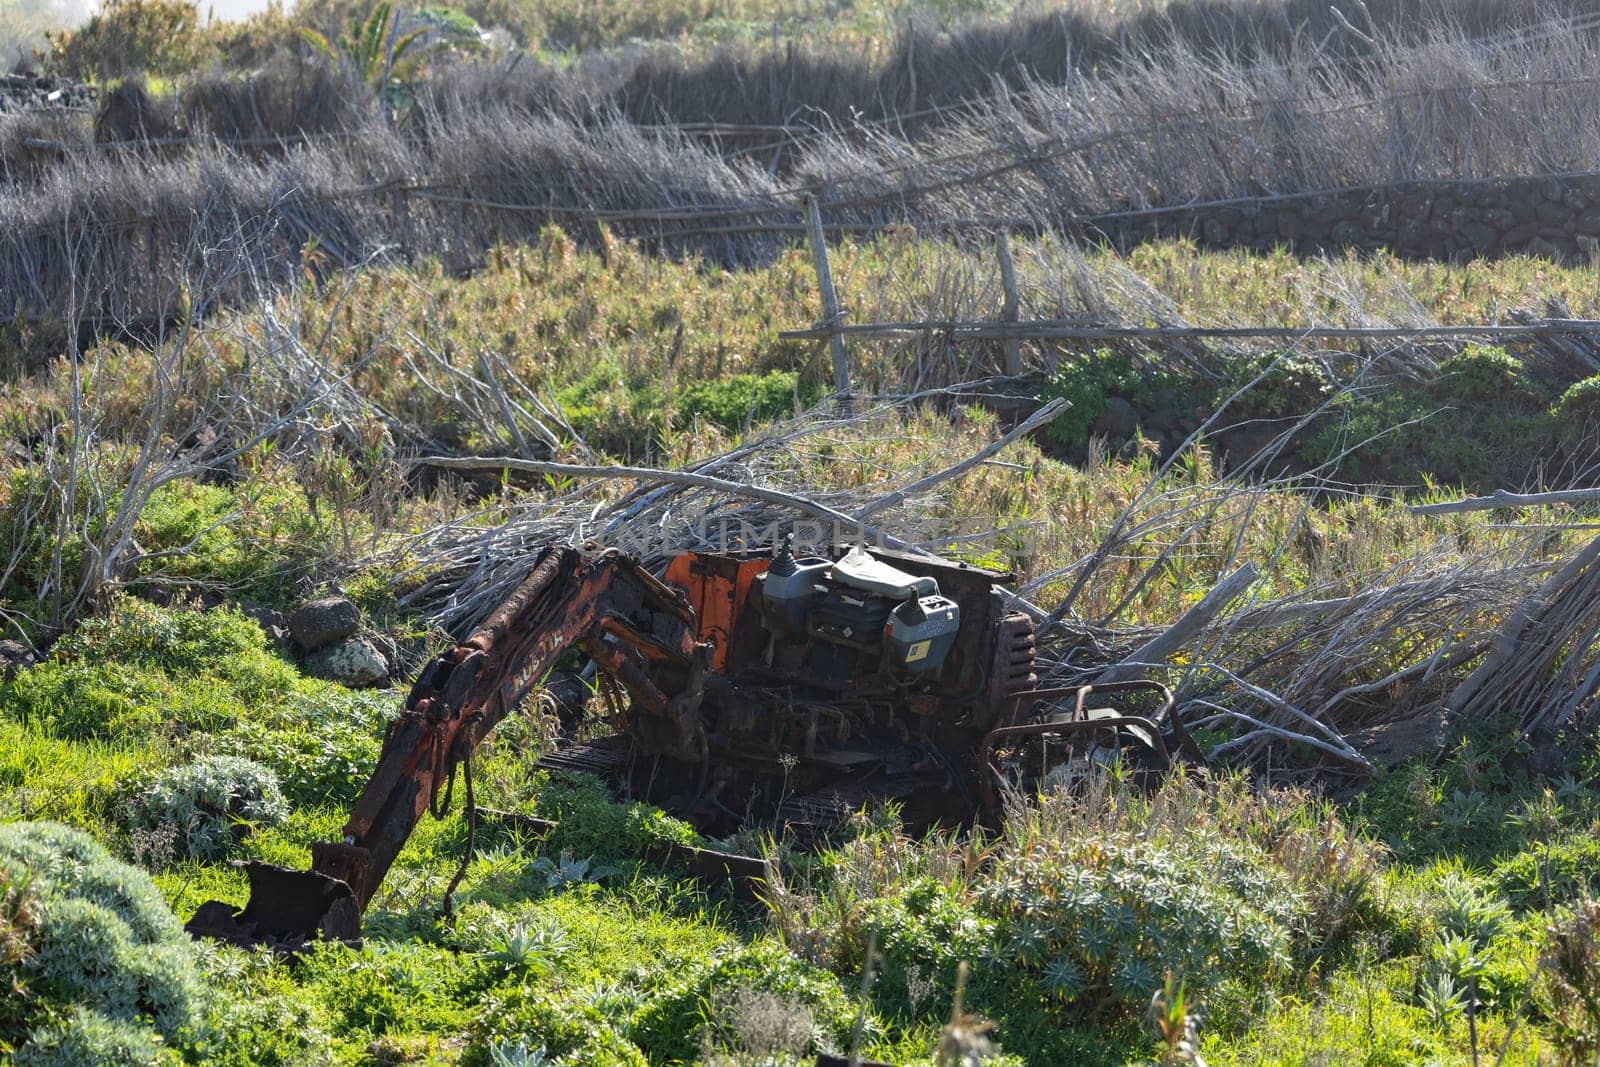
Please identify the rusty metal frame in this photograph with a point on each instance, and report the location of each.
(990, 774)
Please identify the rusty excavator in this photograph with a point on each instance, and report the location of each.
(738, 687)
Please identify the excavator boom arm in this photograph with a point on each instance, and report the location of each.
(572, 598)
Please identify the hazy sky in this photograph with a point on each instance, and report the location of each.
(231, 9)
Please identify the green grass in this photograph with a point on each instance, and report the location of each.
(1303, 929)
(570, 943)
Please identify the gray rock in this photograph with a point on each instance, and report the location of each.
(389, 649)
(1375, 216)
(1117, 422)
(1162, 420)
(1519, 235)
(1348, 233)
(272, 623)
(318, 623)
(1554, 213)
(1541, 246)
(14, 655)
(1412, 236)
(1478, 236)
(1498, 218)
(353, 662)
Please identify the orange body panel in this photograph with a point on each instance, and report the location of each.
(717, 588)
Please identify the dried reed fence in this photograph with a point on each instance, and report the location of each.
(113, 234)
(758, 99)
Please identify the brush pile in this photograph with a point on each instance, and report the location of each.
(1302, 682)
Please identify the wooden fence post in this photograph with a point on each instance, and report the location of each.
(402, 218)
(1013, 305)
(832, 315)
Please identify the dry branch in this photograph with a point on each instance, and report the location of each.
(650, 474)
(1039, 418)
(1185, 629)
(1080, 331)
(1500, 498)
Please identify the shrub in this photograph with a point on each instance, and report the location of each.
(261, 1016)
(736, 401)
(1571, 966)
(924, 934)
(618, 412)
(533, 1016)
(1097, 922)
(321, 742)
(131, 37)
(1545, 874)
(592, 824)
(1076, 914)
(1087, 384)
(87, 1037)
(670, 1025)
(1483, 373)
(253, 540)
(1467, 909)
(19, 927)
(143, 669)
(1580, 404)
(181, 641)
(209, 802)
(107, 956)
(1290, 385)
(140, 668)
(394, 987)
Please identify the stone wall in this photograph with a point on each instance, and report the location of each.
(23, 92)
(1554, 217)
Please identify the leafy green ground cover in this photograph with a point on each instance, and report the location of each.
(1357, 931)
(1438, 913)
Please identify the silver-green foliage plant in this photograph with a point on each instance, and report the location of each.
(85, 1037)
(1102, 919)
(1077, 912)
(208, 801)
(110, 975)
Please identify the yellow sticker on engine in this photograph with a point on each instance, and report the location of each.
(917, 651)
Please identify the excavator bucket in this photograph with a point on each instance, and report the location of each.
(287, 910)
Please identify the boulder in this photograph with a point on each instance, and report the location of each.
(1162, 420)
(273, 623)
(353, 662)
(14, 655)
(318, 623)
(1118, 422)
(1541, 246)
(1498, 218)
(1348, 233)
(1479, 237)
(389, 649)
(1553, 212)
